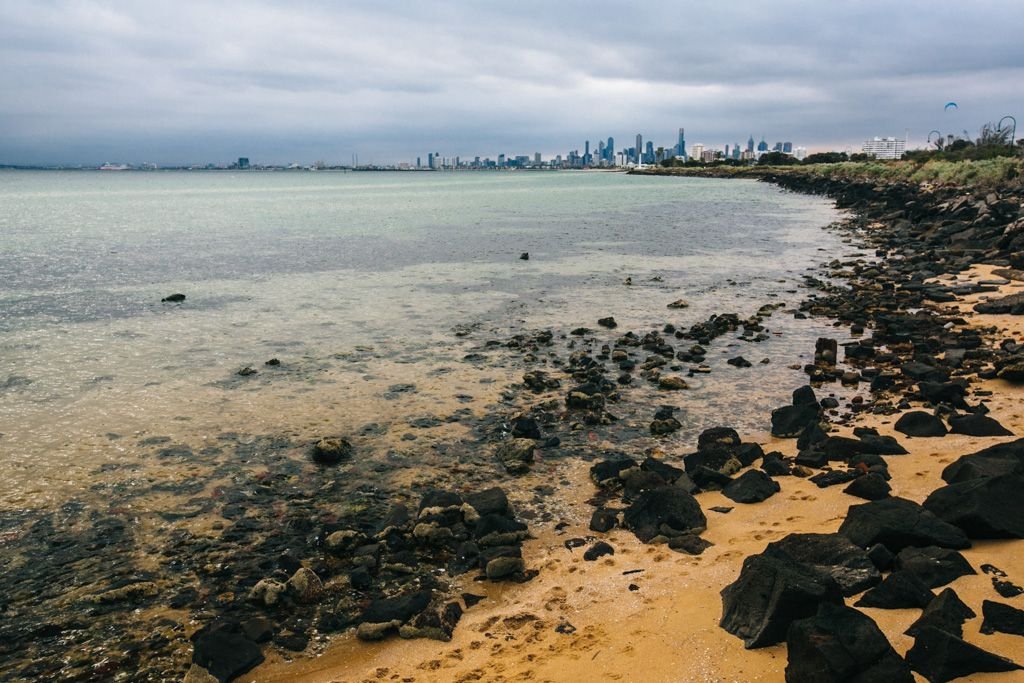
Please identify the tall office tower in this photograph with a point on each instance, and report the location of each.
(417, 162)
(762, 146)
(681, 145)
(750, 144)
(787, 147)
(430, 160)
(610, 149)
(736, 151)
(727, 151)
(777, 147)
(501, 160)
(600, 150)
(649, 153)
(536, 158)
(639, 147)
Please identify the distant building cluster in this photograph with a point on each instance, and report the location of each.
(606, 155)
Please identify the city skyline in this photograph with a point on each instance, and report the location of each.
(88, 81)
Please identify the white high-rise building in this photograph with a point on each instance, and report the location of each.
(800, 153)
(697, 150)
(885, 148)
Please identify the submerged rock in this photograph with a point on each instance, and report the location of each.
(224, 651)
(173, 298)
(331, 450)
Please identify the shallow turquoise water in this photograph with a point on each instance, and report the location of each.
(309, 267)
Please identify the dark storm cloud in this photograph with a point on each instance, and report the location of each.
(86, 81)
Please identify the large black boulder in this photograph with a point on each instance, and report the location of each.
(940, 656)
(897, 523)
(975, 424)
(992, 507)
(718, 437)
(833, 554)
(789, 421)
(934, 566)
(871, 486)
(666, 511)
(897, 591)
(920, 423)
(769, 595)
(946, 612)
(1003, 458)
(753, 486)
(225, 651)
(944, 392)
(1002, 618)
(841, 644)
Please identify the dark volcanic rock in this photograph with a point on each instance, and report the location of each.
(691, 544)
(492, 501)
(599, 549)
(871, 486)
(1003, 458)
(804, 396)
(977, 425)
(934, 566)
(834, 477)
(941, 656)
(832, 554)
(769, 595)
(608, 322)
(946, 612)
(717, 437)
(898, 590)
(841, 644)
(436, 623)
(224, 651)
(898, 523)
(173, 298)
(920, 423)
(603, 520)
(753, 486)
(991, 507)
(1002, 618)
(393, 612)
(667, 511)
(789, 421)
(1012, 304)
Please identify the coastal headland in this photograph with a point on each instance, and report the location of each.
(569, 543)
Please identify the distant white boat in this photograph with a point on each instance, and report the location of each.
(114, 167)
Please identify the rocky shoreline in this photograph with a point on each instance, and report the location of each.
(332, 554)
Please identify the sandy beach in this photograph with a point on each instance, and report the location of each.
(650, 614)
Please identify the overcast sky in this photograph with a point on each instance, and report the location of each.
(84, 81)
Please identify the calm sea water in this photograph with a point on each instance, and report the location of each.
(355, 281)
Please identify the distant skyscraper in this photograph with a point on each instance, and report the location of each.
(649, 153)
(609, 149)
(787, 147)
(727, 151)
(418, 162)
(750, 144)
(681, 145)
(762, 146)
(639, 147)
(777, 147)
(243, 162)
(536, 158)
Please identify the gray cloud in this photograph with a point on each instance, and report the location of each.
(83, 81)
